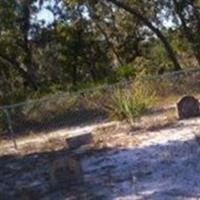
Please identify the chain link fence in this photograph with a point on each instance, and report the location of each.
(65, 110)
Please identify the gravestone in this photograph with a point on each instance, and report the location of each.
(187, 107)
(66, 171)
(79, 140)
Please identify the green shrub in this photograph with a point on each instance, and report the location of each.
(130, 103)
(126, 72)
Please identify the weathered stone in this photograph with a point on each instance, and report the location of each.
(79, 140)
(66, 171)
(187, 107)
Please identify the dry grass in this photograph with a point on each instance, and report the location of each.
(162, 101)
(28, 145)
(113, 135)
(170, 115)
(166, 117)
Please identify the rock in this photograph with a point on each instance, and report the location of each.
(66, 171)
(188, 107)
(79, 140)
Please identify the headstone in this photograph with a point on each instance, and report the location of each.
(79, 140)
(188, 107)
(66, 171)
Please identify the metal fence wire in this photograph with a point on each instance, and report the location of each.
(86, 106)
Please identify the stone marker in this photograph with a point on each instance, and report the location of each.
(79, 140)
(188, 106)
(66, 171)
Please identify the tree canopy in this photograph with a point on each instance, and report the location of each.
(92, 42)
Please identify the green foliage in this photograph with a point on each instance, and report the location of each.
(126, 72)
(130, 103)
(144, 66)
(87, 44)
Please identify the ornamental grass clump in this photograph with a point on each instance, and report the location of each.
(130, 103)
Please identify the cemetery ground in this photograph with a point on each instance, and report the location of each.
(158, 158)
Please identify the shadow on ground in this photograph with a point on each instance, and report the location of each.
(170, 171)
(75, 118)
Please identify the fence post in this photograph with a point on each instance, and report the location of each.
(10, 127)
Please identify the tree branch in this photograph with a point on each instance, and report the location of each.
(154, 29)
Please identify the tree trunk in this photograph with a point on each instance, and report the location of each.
(25, 28)
(28, 78)
(74, 75)
(109, 43)
(196, 13)
(188, 33)
(155, 30)
(93, 70)
(119, 60)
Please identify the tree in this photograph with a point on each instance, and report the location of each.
(91, 42)
(180, 8)
(15, 38)
(153, 28)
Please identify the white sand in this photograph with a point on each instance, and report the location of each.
(165, 165)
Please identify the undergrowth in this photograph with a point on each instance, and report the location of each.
(130, 104)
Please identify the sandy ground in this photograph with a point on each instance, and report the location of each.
(125, 164)
(163, 164)
(8, 147)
